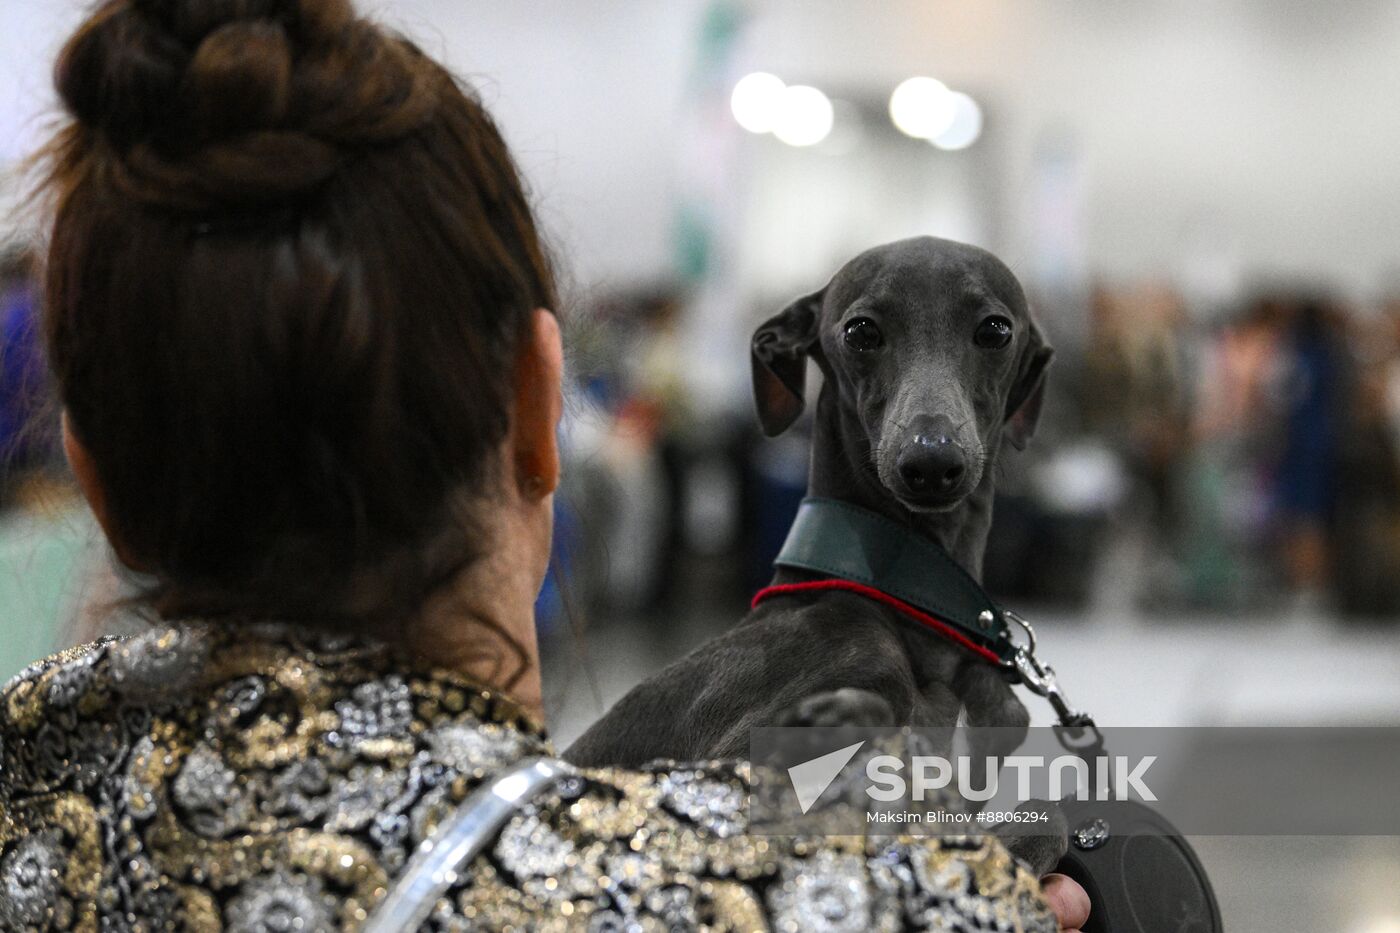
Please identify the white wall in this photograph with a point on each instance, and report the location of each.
(1208, 139)
(1261, 132)
(587, 94)
(30, 33)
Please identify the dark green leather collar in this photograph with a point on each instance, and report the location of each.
(842, 540)
(883, 560)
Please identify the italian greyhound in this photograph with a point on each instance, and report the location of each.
(931, 362)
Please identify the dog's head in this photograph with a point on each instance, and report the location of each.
(930, 348)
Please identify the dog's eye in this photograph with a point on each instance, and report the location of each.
(864, 335)
(993, 333)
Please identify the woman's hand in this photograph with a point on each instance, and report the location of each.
(1067, 899)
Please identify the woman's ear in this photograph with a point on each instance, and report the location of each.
(539, 404)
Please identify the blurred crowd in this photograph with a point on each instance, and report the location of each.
(28, 439)
(1259, 445)
(1245, 459)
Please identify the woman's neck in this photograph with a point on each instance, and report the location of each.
(482, 624)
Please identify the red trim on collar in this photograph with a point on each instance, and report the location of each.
(935, 625)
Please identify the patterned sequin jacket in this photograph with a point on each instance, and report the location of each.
(271, 779)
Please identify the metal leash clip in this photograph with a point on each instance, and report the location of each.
(1129, 882)
(1040, 678)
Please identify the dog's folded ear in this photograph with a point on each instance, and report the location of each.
(779, 354)
(1023, 404)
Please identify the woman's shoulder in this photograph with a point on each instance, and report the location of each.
(200, 776)
(670, 847)
(207, 779)
(71, 666)
(51, 716)
(262, 694)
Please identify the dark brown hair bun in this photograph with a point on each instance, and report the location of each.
(207, 103)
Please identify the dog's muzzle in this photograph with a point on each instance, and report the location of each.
(931, 466)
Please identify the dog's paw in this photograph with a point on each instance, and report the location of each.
(1041, 852)
(848, 706)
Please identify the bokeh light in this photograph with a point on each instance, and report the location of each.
(922, 107)
(805, 116)
(756, 100)
(965, 127)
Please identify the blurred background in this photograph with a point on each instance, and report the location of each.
(1201, 200)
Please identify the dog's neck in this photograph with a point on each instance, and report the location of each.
(843, 468)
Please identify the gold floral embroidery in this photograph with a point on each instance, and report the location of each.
(208, 778)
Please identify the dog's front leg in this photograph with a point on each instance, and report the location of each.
(848, 706)
(997, 723)
(997, 720)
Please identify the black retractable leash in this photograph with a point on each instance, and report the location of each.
(1140, 873)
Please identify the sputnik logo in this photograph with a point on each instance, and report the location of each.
(811, 778)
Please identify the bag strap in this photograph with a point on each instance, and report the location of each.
(434, 866)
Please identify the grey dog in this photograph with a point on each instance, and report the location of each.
(931, 362)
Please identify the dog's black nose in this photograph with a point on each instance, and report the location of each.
(931, 464)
